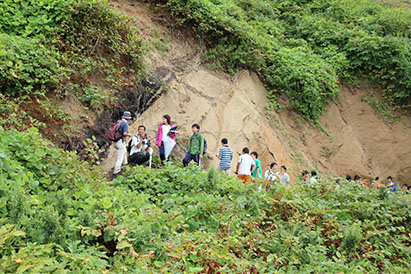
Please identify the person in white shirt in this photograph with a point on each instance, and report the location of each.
(272, 174)
(139, 149)
(244, 166)
(285, 178)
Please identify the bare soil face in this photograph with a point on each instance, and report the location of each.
(355, 140)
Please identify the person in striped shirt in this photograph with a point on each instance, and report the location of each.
(225, 155)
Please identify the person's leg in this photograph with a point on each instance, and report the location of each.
(226, 171)
(121, 152)
(133, 159)
(125, 158)
(162, 152)
(187, 159)
(143, 157)
(196, 159)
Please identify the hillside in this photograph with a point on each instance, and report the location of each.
(317, 84)
(355, 141)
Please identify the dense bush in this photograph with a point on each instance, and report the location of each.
(300, 47)
(57, 214)
(26, 66)
(64, 46)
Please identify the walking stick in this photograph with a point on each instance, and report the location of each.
(150, 151)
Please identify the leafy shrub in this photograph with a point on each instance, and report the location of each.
(26, 66)
(300, 48)
(31, 18)
(48, 45)
(57, 214)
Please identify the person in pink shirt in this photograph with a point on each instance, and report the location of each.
(165, 132)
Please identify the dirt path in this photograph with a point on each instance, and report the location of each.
(356, 142)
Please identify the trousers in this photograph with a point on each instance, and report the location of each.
(121, 155)
(187, 159)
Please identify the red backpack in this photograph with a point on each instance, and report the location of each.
(113, 133)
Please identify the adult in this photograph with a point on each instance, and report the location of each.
(244, 166)
(256, 172)
(313, 179)
(165, 138)
(140, 147)
(272, 174)
(391, 184)
(225, 155)
(195, 147)
(120, 144)
(285, 178)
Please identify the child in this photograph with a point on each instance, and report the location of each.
(285, 178)
(244, 165)
(226, 156)
(196, 147)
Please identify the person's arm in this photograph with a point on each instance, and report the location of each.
(189, 144)
(237, 168)
(159, 136)
(254, 167)
(219, 154)
(141, 141)
(125, 131)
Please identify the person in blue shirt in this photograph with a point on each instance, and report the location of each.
(391, 184)
(225, 155)
(120, 144)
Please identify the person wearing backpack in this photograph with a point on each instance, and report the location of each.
(118, 133)
(197, 147)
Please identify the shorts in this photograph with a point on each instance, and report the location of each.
(225, 170)
(244, 178)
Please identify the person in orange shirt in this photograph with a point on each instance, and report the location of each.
(378, 183)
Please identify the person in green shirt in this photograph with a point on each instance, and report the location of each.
(256, 172)
(195, 147)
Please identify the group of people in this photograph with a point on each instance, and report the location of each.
(139, 147)
(248, 168)
(389, 184)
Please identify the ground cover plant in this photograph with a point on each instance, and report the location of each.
(58, 214)
(304, 48)
(54, 49)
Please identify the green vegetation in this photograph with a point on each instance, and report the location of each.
(57, 214)
(302, 48)
(54, 48)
